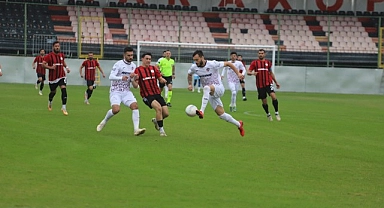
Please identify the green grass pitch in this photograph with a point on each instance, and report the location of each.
(328, 151)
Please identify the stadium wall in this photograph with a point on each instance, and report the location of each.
(291, 79)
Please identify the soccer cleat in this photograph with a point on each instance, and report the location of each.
(241, 129)
(36, 86)
(139, 132)
(86, 102)
(200, 114)
(230, 109)
(40, 92)
(49, 106)
(198, 91)
(163, 134)
(64, 111)
(269, 118)
(85, 95)
(100, 126)
(156, 124)
(278, 117)
(234, 109)
(169, 105)
(244, 99)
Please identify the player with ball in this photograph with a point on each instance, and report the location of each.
(213, 88)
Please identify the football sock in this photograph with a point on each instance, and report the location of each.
(266, 108)
(135, 119)
(64, 95)
(41, 86)
(89, 93)
(51, 95)
(165, 92)
(108, 115)
(227, 117)
(64, 107)
(38, 82)
(243, 91)
(169, 96)
(233, 99)
(275, 105)
(204, 100)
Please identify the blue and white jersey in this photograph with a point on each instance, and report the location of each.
(120, 69)
(209, 74)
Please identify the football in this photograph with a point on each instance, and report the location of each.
(190, 110)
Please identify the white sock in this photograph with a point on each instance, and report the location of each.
(136, 119)
(161, 129)
(108, 115)
(204, 100)
(64, 107)
(233, 99)
(230, 119)
(166, 92)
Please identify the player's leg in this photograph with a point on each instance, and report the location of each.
(275, 104)
(159, 116)
(89, 91)
(37, 81)
(194, 84)
(264, 103)
(130, 101)
(63, 86)
(198, 86)
(217, 106)
(115, 100)
(52, 93)
(41, 79)
(242, 83)
(207, 90)
(232, 88)
(169, 86)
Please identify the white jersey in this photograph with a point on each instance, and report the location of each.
(231, 75)
(120, 69)
(158, 61)
(209, 74)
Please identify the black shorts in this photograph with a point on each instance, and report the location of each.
(169, 81)
(148, 100)
(62, 81)
(242, 81)
(264, 91)
(90, 82)
(41, 75)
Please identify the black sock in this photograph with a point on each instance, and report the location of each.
(51, 95)
(275, 105)
(160, 123)
(64, 96)
(41, 86)
(243, 91)
(89, 93)
(266, 108)
(38, 81)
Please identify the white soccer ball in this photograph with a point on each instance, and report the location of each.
(190, 110)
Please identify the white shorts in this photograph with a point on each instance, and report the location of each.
(233, 86)
(214, 99)
(127, 98)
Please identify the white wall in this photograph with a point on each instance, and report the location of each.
(292, 79)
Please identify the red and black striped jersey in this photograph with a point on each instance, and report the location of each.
(39, 68)
(58, 60)
(90, 69)
(263, 69)
(148, 80)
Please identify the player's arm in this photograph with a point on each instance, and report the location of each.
(223, 72)
(159, 77)
(1, 73)
(189, 78)
(243, 69)
(66, 67)
(45, 64)
(33, 63)
(81, 70)
(230, 65)
(274, 78)
(135, 80)
(101, 70)
(252, 70)
(113, 76)
(173, 71)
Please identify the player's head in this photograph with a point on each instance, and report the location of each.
(233, 56)
(261, 54)
(198, 58)
(146, 59)
(164, 53)
(128, 54)
(56, 46)
(90, 55)
(42, 52)
(239, 57)
(167, 54)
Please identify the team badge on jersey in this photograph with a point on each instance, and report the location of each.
(208, 69)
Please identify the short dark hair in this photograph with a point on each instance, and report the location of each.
(90, 52)
(262, 50)
(54, 43)
(233, 52)
(146, 54)
(239, 55)
(165, 51)
(41, 50)
(198, 52)
(128, 49)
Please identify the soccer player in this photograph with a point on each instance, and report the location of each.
(167, 69)
(121, 79)
(55, 64)
(40, 70)
(233, 79)
(196, 80)
(242, 81)
(262, 69)
(146, 76)
(157, 65)
(213, 88)
(90, 66)
(1, 73)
